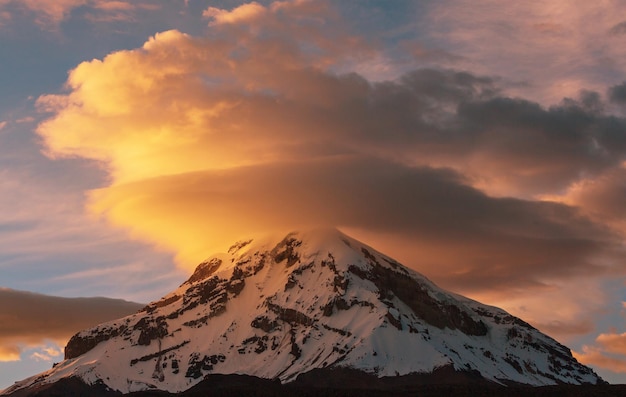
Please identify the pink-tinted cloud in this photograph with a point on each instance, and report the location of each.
(283, 117)
(590, 356)
(252, 128)
(28, 119)
(49, 13)
(601, 197)
(114, 5)
(52, 11)
(613, 342)
(557, 48)
(5, 16)
(47, 353)
(244, 13)
(46, 234)
(609, 352)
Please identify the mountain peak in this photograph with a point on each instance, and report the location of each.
(314, 237)
(317, 299)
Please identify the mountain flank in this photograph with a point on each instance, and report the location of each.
(312, 312)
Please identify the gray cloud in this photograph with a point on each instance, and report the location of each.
(617, 93)
(603, 196)
(29, 319)
(543, 149)
(256, 131)
(459, 120)
(618, 29)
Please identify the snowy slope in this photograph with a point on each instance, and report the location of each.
(315, 299)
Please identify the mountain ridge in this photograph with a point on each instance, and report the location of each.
(314, 300)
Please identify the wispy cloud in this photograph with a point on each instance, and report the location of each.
(50, 211)
(560, 47)
(46, 353)
(252, 129)
(618, 29)
(49, 13)
(114, 5)
(243, 13)
(283, 115)
(28, 119)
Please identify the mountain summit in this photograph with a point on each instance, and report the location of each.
(316, 302)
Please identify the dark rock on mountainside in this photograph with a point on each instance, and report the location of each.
(313, 313)
(67, 387)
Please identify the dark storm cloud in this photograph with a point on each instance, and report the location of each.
(618, 29)
(460, 120)
(551, 146)
(617, 93)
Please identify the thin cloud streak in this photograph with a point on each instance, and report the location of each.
(250, 129)
(484, 177)
(559, 47)
(70, 241)
(50, 13)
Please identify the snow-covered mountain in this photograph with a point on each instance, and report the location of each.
(315, 300)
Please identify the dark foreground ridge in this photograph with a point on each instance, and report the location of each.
(340, 383)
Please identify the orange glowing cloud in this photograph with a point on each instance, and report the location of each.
(252, 129)
(182, 105)
(243, 13)
(608, 353)
(601, 360)
(9, 353)
(615, 343)
(47, 355)
(188, 126)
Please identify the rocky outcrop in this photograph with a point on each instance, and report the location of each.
(392, 283)
(83, 342)
(205, 270)
(310, 306)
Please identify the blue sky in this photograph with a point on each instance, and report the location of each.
(137, 138)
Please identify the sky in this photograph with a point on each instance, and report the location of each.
(480, 142)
